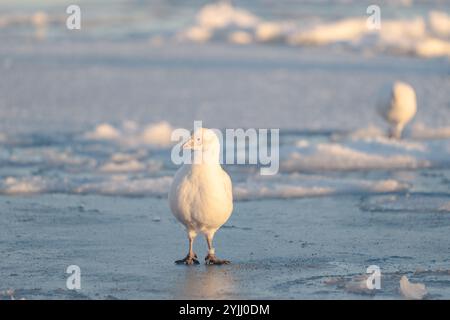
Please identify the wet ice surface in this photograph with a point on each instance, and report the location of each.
(306, 248)
(85, 166)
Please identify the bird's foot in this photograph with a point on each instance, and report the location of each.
(212, 259)
(189, 260)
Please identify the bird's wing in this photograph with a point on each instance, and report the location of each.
(227, 185)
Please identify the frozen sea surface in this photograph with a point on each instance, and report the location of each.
(307, 89)
(85, 166)
(306, 248)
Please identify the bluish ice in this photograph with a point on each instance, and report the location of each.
(85, 124)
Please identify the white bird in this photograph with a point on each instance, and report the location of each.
(200, 196)
(398, 107)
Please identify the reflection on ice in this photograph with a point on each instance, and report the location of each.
(207, 283)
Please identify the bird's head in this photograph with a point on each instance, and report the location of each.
(203, 140)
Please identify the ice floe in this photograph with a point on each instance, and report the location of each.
(412, 291)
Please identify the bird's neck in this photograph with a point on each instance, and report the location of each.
(207, 157)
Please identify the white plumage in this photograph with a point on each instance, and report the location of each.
(398, 106)
(201, 193)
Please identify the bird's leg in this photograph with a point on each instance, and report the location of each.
(191, 257)
(396, 131)
(211, 257)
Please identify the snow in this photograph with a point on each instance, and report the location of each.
(412, 291)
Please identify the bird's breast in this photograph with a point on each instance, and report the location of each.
(200, 197)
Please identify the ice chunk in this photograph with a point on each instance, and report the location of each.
(269, 31)
(157, 134)
(240, 37)
(126, 166)
(412, 291)
(224, 14)
(358, 285)
(432, 47)
(104, 131)
(350, 29)
(27, 185)
(126, 186)
(420, 131)
(297, 186)
(333, 156)
(197, 34)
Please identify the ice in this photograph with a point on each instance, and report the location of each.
(8, 293)
(213, 18)
(420, 203)
(345, 30)
(28, 185)
(333, 156)
(440, 23)
(358, 285)
(86, 117)
(40, 19)
(299, 186)
(432, 47)
(271, 31)
(47, 156)
(421, 131)
(401, 36)
(412, 291)
(445, 207)
(157, 135)
(104, 131)
(423, 35)
(368, 148)
(240, 37)
(126, 166)
(369, 132)
(122, 185)
(122, 182)
(223, 14)
(123, 163)
(257, 190)
(197, 34)
(421, 30)
(135, 161)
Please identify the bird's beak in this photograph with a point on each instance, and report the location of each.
(189, 144)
